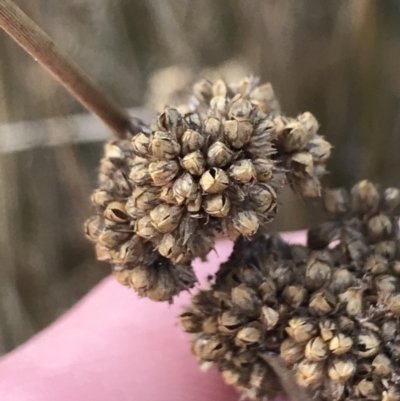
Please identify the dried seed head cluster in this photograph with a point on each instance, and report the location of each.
(332, 313)
(212, 165)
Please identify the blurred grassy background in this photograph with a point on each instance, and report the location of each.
(339, 59)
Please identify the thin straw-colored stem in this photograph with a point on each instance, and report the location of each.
(40, 46)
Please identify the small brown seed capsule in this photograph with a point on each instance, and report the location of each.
(194, 163)
(219, 155)
(341, 369)
(342, 279)
(93, 228)
(210, 325)
(269, 317)
(167, 245)
(242, 171)
(302, 164)
(322, 302)
(116, 213)
(294, 137)
(386, 249)
(218, 106)
(163, 172)
(263, 198)
(301, 329)
(144, 228)
(391, 394)
(229, 322)
(245, 298)
(194, 206)
(165, 218)
(389, 330)
(352, 300)
(387, 283)
(192, 141)
(164, 146)
(316, 350)
(291, 351)
(336, 201)
(376, 265)
(367, 344)
(101, 198)
(171, 120)
(327, 328)
(379, 227)
(364, 197)
(263, 93)
(391, 199)
(394, 304)
(203, 91)
(146, 197)
(241, 110)
(140, 174)
(318, 270)
(229, 230)
(366, 388)
(309, 373)
(246, 222)
(264, 169)
(345, 324)
(320, 149)
(219, 88)
(112, 150)
(309, 122)
(184, 189)
(212, 128)
(308, 186)
(340, 344)
(214, 181)
(248, 335)
(294, 295)
(238, 133)
(133, 211)
(123, 277)
(217, 205)
(193, 120)
(191, 320)
(140, 144)
(267, 289)
(102, 253)
(112, 238)
(382, 365)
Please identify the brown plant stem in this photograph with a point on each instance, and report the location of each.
(40, 46)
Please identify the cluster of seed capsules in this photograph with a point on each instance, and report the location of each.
(213, 165)
(331, 309)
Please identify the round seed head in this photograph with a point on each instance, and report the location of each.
(367, 344)
(164, 146)
(217, 205)
(301, 329)
(309, 373)
(194, 163)
(184, 189)
(192, 141)
(214, 181)
(316, 350)
(336, 201)
(242, 171)
(213, 349)
(238, 133)
(246, 222)
(219, 155)
(340, 344)
(364, 197)
(165, 218)
(341, 369)
(291, 351)
(163, 172)
(140, 144)
(386, 249)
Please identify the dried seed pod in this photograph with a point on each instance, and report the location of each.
(218, 106)
(382, 365)
(301, 329)
(165, 218)
(394, 304)
(164, 146)
(308, 186)
(246, 222)
(379, 227)
(366, 388)
(309, 123)
(376, 265)
(322, 302)
(341, 369)
(327, 328)
(318, 271)
(184, 189)
(194, 163)
(342, 279)
(291, 351)
(123, 277)
(352, 300)
(140, 174)
(390, 199)
(263, 198)
(295, 137)
(203, 90)
(269, 317)
(219, 155)
(264, 169)
(387, 283)
(391, 394)
(191, 320)
(294, 295)
(365, 198)
(192, 141)
(309, 373)
(367, 344)
(163, 172)
(212, 128)
(316, 350)
(245, 298)
(242, 171)
(241, 110)
(320, 149)
(214, 181)
(116, 213)
(140, 144)
(238, 133)
(145, 228)
(248, 335)
(212, 349)
(219, 88)
(93, 228)
(110, 238)
(302, 164)
(340, 344)
(336, 201)
(101, 198)
(133, 211)
(217, 205)
(194, 205)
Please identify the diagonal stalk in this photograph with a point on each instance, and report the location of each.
(40, 46)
